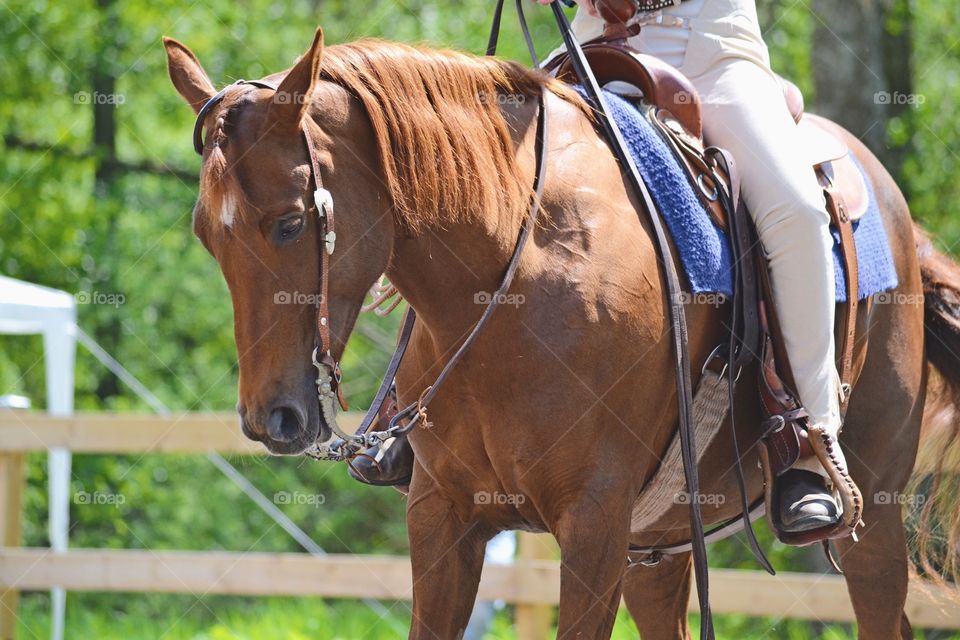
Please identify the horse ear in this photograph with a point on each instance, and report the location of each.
(293, 95)
(188, 76)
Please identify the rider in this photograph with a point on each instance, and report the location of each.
(717, 44)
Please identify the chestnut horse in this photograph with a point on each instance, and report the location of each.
(559, 414)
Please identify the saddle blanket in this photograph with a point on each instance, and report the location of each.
(703, 247)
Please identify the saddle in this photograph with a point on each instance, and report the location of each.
(672, 106)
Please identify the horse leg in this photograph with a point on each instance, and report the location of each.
(447, 558)
(876, 573)
(593, 560)
(657, 597)
(876, 567)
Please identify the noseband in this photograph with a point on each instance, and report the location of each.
(344, 446)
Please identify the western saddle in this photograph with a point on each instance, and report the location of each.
(672, 106)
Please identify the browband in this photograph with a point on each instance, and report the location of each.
(214, 101)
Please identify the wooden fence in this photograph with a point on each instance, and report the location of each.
(532, 583)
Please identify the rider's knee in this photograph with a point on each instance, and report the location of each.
(794, 224)
(796, 217)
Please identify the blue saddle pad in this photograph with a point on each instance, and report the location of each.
(703, 247)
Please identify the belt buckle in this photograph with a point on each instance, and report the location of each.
(656, 17)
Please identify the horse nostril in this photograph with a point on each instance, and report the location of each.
(284, 424)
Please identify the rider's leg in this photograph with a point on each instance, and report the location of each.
(721, 50)
(718, 45)
(744, 111)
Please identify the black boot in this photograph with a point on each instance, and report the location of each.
(805, 502)
(387, 466)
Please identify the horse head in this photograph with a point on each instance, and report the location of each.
(257, 216)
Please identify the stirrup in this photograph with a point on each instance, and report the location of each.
(787, 436)
(825, 447)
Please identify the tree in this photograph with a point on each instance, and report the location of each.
(861, 53)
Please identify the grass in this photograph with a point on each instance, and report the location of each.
(185, 617)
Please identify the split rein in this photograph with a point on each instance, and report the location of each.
(343, 446)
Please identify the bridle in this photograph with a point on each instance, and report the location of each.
(343, 446)
(328, 382)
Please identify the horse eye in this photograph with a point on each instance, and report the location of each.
(289, 227)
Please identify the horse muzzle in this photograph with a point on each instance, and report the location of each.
(285, 426)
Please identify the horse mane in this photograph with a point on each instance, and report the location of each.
(445, 148)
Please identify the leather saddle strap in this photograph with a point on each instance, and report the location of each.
(746, 333)
(848, 249)
(745, 322)
(675, 310)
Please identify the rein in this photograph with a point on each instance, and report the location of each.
(343, 446)
(678, 323)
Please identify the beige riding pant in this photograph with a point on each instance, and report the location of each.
(720, 48)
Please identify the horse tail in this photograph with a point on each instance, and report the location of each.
(936, 477)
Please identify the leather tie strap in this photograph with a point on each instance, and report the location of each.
(841, 219)
(744, 338)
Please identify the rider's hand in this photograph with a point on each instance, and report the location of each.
(586, 4)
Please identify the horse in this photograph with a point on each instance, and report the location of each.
(561, 411)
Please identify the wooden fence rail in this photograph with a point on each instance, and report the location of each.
(532, 583)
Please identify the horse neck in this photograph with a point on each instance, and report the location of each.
(444, 273)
